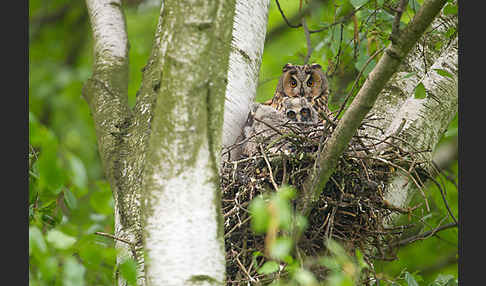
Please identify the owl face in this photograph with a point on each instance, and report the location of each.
(298, 109)
(303, 81)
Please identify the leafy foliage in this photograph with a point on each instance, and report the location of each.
(69, 199)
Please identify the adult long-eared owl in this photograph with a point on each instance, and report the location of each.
(306, 81)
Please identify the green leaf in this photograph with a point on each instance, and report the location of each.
(444, 73)
(60, 240)
(451, 31)
(330, 263)
(51, 174)
(451, 132)
(360, 258)
(305, 277)
(281, 248)
(339, 279)
(361, 61)
(260, 216)
(49, 268)
(410, 279)
(70, 199)
(128, 270)
(268, 267)
(79, 175)
(358, 3)
(445, 280)
(420, 91)
(287, 192)
(102, 199)
(301, 222)
(409, 75)
(450, 9)
(36, 240)
(73, 274)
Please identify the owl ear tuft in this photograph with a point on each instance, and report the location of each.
(316, 66)
(287, 67)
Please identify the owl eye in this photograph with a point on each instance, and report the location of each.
(291, 115)
(305, 114)
(310, 82)
(293, 83)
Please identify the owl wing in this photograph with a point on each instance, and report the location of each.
(320, 105)
(277, 100)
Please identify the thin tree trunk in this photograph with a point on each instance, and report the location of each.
(182, 223)
(426, 119)
(106, 94)
(249, 30)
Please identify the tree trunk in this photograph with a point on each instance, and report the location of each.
(249, 31)
(162, 157)
(182, 223)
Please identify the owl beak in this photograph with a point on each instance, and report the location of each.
(301, 91)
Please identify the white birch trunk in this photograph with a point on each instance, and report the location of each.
(249, 29)
(425, 119)
(182, 218)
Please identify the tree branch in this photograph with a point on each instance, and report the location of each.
(308, 40)
(396, 21)
(426, 234)
(365, 100)
(106, 90)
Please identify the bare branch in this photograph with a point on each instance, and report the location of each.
(308, 40)
(285, 18)
(396, 22)
(426, 234)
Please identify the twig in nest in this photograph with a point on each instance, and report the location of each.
(285, 176)
(244, 269)
(410, 176)
(269, 167)
(236, 226)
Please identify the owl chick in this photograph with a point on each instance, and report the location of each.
(307, 81)
(297, 109)
(264, 123)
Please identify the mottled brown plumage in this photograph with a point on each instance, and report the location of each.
(307, 81)
(297, 109)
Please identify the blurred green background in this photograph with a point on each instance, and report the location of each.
(69, 199)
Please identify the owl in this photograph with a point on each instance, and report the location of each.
(264, 123)
(298, 109)
(307, 81)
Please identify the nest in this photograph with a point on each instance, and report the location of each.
(351, 209)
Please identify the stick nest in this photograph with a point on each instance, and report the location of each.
(351, 209)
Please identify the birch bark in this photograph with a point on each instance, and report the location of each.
(181, 208)
(249, 29)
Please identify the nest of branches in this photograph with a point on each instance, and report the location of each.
(350, 209)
